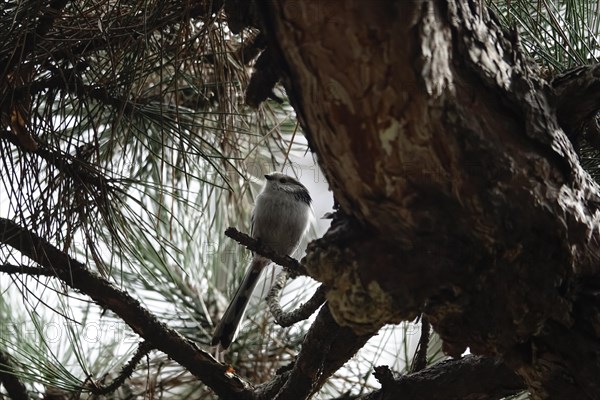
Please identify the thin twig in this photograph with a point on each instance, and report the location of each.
(301, 313)
(143, 349)
(293, 267)
(420, 359)
(65, 163)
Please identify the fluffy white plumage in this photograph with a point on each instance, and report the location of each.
(279, 220)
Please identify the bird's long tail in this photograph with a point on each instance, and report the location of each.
(227, 328)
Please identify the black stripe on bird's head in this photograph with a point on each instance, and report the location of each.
(279, 181)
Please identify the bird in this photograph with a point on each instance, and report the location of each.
(280, 219)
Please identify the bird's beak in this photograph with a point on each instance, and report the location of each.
(268, 177)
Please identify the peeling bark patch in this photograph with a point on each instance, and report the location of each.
(389, 135)
(435, 52)
(340, 95)
(482, 46)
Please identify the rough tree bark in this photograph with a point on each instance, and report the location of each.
(460, 197)
(465, 198)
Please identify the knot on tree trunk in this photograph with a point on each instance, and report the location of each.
(351, 261)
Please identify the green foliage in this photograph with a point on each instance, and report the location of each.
(557, 34)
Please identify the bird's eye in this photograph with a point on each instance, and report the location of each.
(283, 180)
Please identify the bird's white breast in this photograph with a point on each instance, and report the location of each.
(280, 220)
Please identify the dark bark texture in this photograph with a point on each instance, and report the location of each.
(443, 147)
(472, 378)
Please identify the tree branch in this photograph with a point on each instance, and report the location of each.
(420, 360)
(472, 377)
(143, 349)
(25, 269)
(73, 273)
(325, 349)
(45, 23)
(293, 267)
(472, 196)
(301, 313)
(65, 163)
(92, 38)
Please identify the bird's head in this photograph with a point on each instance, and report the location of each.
(279, 181)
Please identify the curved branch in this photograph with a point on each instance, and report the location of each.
(143, 349)
(301, 313)
(76, 275)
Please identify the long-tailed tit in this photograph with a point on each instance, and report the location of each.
(279, 220)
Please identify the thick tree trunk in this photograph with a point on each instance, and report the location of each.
(465, 198)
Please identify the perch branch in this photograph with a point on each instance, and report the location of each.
(293, 267)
